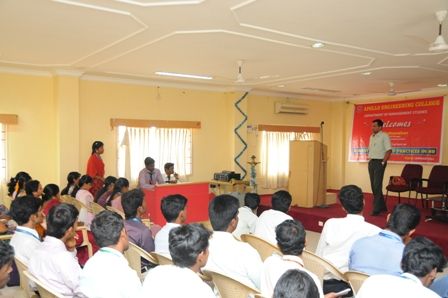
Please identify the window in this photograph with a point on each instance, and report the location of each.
(2, 157)
(162, 144)
(274, 151)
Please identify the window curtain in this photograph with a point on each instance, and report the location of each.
(162, 144)
(274, 152)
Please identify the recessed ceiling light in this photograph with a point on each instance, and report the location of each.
(183, 75)
(281, 86)
(442, 85)
(367, 73)
(318, 45)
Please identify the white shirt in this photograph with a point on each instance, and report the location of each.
(267, 222)
(55, 265)
(107, 274)
(390, 286)
(85, 197)
(234, 258)
(25, 241)
(161, 239)
(274, 267)
(247, 221)
(338, 236)
(170, 281)
(379, 144)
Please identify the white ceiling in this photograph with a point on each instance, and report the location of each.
(136, 38)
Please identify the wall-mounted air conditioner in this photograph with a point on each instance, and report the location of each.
(290, 108)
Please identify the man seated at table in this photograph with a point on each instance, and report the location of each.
(189, 251)
(421, 261)
(174, 209)
(149, 176)
(52, 262)
(170, 176)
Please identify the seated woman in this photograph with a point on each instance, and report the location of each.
(104, 193)
(85, 196)
(72, 184)
(16, 185)
(121, 186)
(34, 188)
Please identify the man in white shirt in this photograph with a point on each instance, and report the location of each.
(189, 251)
(421, 261)
(295, 283)
(170, 176)
(229, 256)
(339, 234)
(27, 212)
(174, 209)
(52, 262)
(107, 274)
(247, 215)
(149, 176)
(290, 236)
(270, 219)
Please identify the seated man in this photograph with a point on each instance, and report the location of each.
(107, 273)
(175, 212)
(189, 251)
(52, 262)
(421, 261)
(339, 234)
(149, 176)
(269, 219)
(440, 286)
(134, 206)
(229, 256)
(170, 176)
(27, 212)
(6, 258)
(295, 283)
(290, 236)
(247, 215)
(381, 253)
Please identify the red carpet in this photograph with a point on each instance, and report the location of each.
(313, 218)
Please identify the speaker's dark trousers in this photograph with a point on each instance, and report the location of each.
(376, 174)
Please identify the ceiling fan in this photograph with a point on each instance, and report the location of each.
(439, 44)
(393, 92)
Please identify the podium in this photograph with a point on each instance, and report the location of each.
(307, 173)
(197, 193)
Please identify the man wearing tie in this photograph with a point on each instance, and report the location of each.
(149, 176)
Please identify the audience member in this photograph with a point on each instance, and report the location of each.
(170, 176)
(107, 273)
(295, 283)
(421, 261)
(121, 186)
(6, 258)
(72, 184)
(27, 212)
(440, 286)
(290, 236)
(33, 188)
(104, 193)
(50, 197)
(95, 167)
(189, 251)
(269, 219)
(134, 206)
(16, 185)
(229, 256)
(174, 209)
(51, 261)
(149, 176)
(247, 215)
(85, 196)
(382, 253)
(339, 234)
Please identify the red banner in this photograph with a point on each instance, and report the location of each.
(414, 128)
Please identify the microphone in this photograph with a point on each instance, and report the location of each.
(322, 123)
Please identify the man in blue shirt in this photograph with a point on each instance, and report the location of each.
(382, 253)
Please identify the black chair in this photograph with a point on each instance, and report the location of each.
(411, 174)
(436, 184)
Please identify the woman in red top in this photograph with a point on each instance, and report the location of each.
(95, 167)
